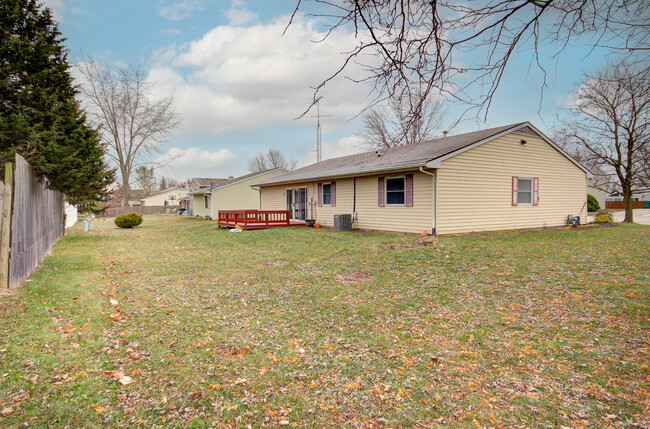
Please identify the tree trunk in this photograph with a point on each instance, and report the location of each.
(127, 191)
(627, 198)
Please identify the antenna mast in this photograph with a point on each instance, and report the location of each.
(319, 137)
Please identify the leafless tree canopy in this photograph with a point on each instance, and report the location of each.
(611, 125)
(145, 180)
(461, 49)
(270, 159)
(132, 124)
(392, 126)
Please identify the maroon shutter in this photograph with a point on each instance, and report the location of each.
(408, 194)
(320, 195)
(333, 194)
(380, 192)
(515, 182)
(535, 190)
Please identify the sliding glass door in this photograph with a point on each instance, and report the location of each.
(297, 203)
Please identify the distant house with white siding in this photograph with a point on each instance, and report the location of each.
(500, 178)
(169, 197)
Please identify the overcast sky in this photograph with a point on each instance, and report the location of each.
(239, 83)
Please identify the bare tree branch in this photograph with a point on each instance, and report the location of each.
(131, 123)
(611, 126)
(270, 159)
(457, 48)
(395, 125)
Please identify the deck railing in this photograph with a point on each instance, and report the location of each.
(251, 219)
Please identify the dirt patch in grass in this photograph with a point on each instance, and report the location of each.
(355, 277)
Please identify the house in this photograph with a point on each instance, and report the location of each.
(500, 178)
(200, 194)
(239, 193)
(231, 194)
(596, 184)
(169, 197)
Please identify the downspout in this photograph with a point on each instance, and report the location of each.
(433, 195)
(354, 199)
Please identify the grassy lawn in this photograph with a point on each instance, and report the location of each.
(179, 324)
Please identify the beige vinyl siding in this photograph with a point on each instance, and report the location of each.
(324, 215)
(395, 218)
(198, 206)
(273, 198)
(474, 188)
(239, 196)
(369, 215)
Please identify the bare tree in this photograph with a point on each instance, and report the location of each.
(611, 123)
(272, 158)
(461, 49)
(132, 123)
(145, 179)
(391, 126)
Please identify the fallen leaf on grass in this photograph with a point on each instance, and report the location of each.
(264, 370)
(241, 381)
(6, 411)
(121, 378)
(114, 302)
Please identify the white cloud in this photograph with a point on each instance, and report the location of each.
(238, 14)
(180, 10)
(236, 77)
(194, 162)
(345, 146)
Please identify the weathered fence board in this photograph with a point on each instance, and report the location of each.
(36, 222)
(5, 226)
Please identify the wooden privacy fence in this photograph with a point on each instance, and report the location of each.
(621, 205)
(143, 210)
(32, 221)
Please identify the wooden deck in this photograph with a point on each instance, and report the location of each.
(256, 219)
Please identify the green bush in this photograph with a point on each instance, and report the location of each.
(129, 220)
(604, 217)
(592, 203)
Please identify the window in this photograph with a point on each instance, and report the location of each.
(207, 201)
(395, 191)
(524, 191)
(172, 197)
(327, 194)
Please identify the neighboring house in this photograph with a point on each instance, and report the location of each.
(169, 197)
(594, 184)
(200, 194)
(501, 178)
(238, 193)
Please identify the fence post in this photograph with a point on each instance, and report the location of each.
(6, 226)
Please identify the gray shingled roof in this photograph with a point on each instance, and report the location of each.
(205, 181)
(396, 158)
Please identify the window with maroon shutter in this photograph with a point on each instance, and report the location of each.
(320, 195)
(327, 194)
(523, 191)
(408, 184)
(535, 190)
(380, 192)
(333, 194)
(395, 191)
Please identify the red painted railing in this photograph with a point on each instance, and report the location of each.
(253, 219)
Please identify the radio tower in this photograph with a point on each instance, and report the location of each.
(319, 139)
